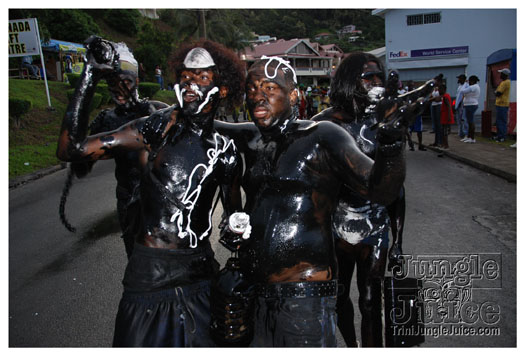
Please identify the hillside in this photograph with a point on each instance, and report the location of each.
(32, 146)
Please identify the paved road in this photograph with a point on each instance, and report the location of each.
(64, 288)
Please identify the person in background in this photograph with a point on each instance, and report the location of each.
(158, 76)
(123, 85)
(142, 72)
(33, 70)
(310, 103)
(502, 104)
(446, 115)
(325, 100)
(459, 106)
(470, 103)
(417, 126)
(435, 114)
(361, 227)
(316, 101)
(68, 64)
(302, 102)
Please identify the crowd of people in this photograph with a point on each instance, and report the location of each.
(322, 170)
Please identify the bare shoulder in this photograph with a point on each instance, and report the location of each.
(326, 114)
(237, 131)
(324, 127)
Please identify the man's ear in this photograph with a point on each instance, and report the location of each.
(223, 92)
(293, 96)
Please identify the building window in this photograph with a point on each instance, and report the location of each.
(422, 19)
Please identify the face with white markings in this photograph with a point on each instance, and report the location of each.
(196, 90)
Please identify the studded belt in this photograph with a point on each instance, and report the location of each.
(298, 289)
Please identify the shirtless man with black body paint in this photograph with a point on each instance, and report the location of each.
(166, 283)
(123, 86)
(361, 227)
(295, 170)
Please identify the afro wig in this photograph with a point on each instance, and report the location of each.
(229, 68)
(344, 85)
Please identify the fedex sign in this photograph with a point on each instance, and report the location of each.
(398, 54)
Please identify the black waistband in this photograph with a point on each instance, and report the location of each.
(153, 269)
(298, 289)
(205, 248)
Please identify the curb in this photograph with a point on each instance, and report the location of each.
(511, 178)
(19, 181)
(16, 182)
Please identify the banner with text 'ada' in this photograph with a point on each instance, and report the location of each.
(23, 38)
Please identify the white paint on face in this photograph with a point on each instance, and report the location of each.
(210, 93)
(196, 89)
(178, 94)
(376, 93)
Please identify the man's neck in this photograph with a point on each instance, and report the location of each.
(201, 124)
(279, 130)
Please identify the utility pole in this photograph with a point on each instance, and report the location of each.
(202, 23)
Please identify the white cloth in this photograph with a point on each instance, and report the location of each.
(459, 93)
(435, 94)
(471, 95)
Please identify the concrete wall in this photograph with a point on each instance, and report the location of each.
(484, 31)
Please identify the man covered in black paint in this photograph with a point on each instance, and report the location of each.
(166, 283)
(360, 226)
(295, 169)
(123, 85)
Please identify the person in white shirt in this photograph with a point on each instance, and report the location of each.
(435, 110)
(470, 103)
(459, 106)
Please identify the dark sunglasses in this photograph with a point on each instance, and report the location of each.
(371, 75)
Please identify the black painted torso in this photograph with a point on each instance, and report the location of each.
(173, 177)
(292, 184)
(356, 218)
(128, 164)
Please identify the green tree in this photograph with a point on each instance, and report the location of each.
(185, 23)
(124, 20)
(153, 47)
(228, 27)
(63, 24)
(224, 26)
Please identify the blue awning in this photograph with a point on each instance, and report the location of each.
(62, 46)
(507, 54)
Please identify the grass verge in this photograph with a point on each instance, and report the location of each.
(32, 146)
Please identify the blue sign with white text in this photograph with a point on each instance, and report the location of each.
(439, 51)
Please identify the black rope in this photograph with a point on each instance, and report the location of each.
(63, 199)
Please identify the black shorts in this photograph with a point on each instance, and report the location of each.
(166, 299)
(295, 321)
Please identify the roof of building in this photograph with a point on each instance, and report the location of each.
(378, 52)
(331, 50)
(280, 47)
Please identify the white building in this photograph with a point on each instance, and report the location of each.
(421, 43)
